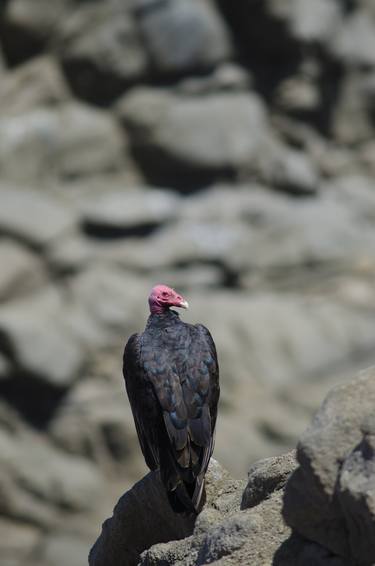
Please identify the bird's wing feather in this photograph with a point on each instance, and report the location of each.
(207, 385)
(142, 401)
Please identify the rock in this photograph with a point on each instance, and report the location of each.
(328, 499)
(113, 298)
(266, 477)
(314, 22)
(289, 27)
(36, 484)
(26, 29)
(179, 140)
(289, 170)
(21, 271)
(136, 522)
(18, 541)
(296, 95)
(308, 338)
(293, 224)
(234, 537)
(68, 142)
(65, 548)
(357, 488)
(142, 517)
(183, 243)
(128, 213)
(225, 77)
(101, 50)
(32, 216)
(182, 36)
(351, 120)
(354, 41)
(35, 84)
(95, 422)
(33, 333)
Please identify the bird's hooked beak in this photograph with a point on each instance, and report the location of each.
(184, 304)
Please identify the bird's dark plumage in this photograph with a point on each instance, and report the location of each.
(172, 380)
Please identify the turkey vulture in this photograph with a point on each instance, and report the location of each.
(172, 380)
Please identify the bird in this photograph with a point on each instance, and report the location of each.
(171, 374)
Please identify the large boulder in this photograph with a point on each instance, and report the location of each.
(26, 28)
(222, 534)
(127, 213)
(143, 517)
(105, 49)
(354, 42)
(101, 50)
(22, 271)
(182, 35)
(35, 484)
(72, 140)
(288, 26)
(182, 140)
(40, 345)
(32, 216)
(35, 84)
(330, 497)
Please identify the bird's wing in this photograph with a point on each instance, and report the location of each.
(189, 402)
(142, 400)
(204, 380)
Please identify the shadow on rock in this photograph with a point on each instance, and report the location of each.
(141, 518)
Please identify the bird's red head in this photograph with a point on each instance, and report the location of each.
(163, 297)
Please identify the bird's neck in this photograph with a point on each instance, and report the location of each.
(158, 309)
(167, 316)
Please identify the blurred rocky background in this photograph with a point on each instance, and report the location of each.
(224, 148)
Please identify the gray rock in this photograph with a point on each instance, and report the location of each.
(26, 29)
(35, 84)
(226, 77)
(38, 341)
(32, 216)
(126, 212)
(95, 422)
(298, 94)
(233, 538)
(308, 338)
(356, 494)
(314, 21)
(142, 517)
(289, 26)
(182, 36)
(182, 139)
(71, 141)
(328, 499)
(288, 170)
(267, 476)
(351, 119)
(293, 225)
(17, 541)
(354, 41)
(35, 484)
(61, 549)
(101, 49)
(113, 298)
(21, 270)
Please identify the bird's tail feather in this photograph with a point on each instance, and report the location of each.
(186, 498)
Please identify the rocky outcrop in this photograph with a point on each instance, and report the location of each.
(328, 499)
